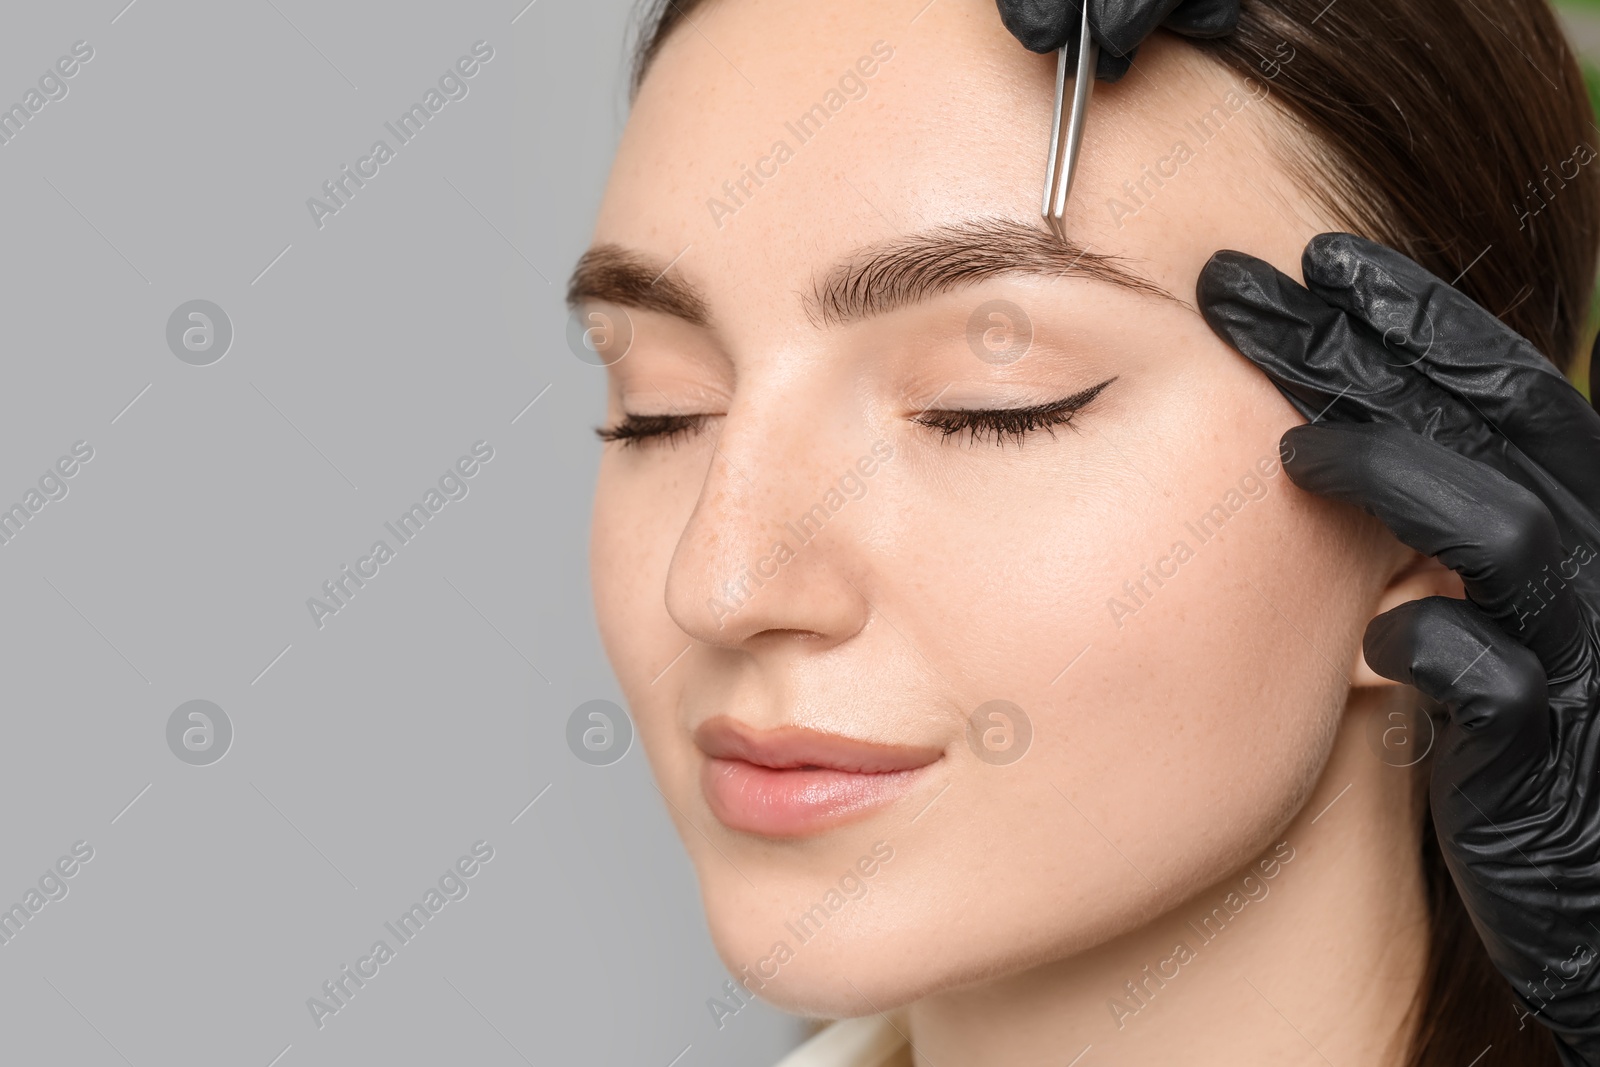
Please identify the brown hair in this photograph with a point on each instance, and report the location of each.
(1464, 141)
(1452, 135)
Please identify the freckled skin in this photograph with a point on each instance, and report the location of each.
(1193, 734)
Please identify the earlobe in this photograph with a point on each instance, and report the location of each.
(1417, 577)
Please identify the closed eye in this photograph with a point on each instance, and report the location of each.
(636, 430)
(998, 424)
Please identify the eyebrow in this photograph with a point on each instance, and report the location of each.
(613, 274)
(873, 279)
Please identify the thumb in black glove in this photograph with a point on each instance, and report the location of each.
(1119, 26)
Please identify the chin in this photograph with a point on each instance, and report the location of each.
(821, 940)
(836, 975)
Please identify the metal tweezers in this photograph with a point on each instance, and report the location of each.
(1064, 143)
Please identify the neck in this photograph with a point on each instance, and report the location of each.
(1310, 954)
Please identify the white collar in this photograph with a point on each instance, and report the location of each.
(865, 1042)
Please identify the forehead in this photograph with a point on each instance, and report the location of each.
(768, 141)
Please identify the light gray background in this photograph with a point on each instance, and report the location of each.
(368, 355)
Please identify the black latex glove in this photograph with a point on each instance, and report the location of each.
(1432, 415)
(1119, 26)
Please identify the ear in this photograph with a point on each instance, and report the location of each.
(1416, 576)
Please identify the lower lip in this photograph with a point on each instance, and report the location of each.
(796, 801)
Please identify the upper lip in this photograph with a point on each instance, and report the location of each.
(796, 747)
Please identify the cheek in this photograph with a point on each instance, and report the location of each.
(1183, 717)
(641, 505)
(635, 524)
(1175, 618)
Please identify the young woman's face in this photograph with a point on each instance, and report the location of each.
(822, 229)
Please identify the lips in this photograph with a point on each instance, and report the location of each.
(793, 781)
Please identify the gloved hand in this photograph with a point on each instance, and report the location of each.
(1118, 25)
(1432, 415)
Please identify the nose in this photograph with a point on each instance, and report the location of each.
(773, 548)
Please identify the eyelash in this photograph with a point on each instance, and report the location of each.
(636, 430)
(1017, 423)
(998, 423)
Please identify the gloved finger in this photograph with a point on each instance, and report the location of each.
(1110, 67)
(1046, 25)
(1498, 536)
(1490, 804)
(1493, 687)
(1565, 1052)
(1204, 18)
(1316, 354)
(1331, 366)
(1041, 25)
(1118, 25)
(1122, 25)
(1463, 348)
